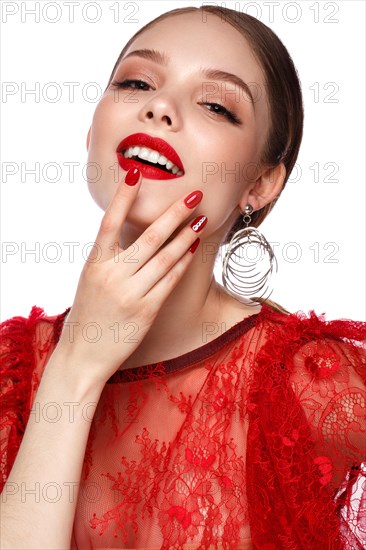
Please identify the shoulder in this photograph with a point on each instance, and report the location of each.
(307, 341)
(19, 334)
(306, 409)
(20, 325)
(299, 326)
(309, 364)
(284, 333)
(25, 343)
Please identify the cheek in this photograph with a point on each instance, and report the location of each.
(228, 171)
(101, 174)
(107, 124)
(102, 171)
(104, 109)
(228, 155)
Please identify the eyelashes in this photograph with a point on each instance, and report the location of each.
(129, 84)
(222, 111)
(141, 85)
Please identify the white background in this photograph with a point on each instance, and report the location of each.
(328, 55)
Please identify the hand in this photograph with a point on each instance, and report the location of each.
(120, 291)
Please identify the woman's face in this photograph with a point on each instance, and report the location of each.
(176, 103)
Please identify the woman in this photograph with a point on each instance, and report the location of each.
(154, 431)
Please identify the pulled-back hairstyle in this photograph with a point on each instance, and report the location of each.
(282, 86)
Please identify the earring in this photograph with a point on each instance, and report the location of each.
(241, 273)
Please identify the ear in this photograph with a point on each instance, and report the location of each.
(265, 189)
(88, 139)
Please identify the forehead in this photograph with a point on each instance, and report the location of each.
(201, 40)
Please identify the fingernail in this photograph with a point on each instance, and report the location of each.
(132, 176)
(193, 199)
(199, 223)
(194, 245)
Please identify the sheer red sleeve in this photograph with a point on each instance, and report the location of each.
(25, 346)
(306, 480)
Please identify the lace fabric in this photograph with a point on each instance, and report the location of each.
(255, 440)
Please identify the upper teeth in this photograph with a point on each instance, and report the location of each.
(152, 156)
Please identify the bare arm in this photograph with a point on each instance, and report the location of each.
(38, 501)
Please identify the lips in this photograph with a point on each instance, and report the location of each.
(149, 171)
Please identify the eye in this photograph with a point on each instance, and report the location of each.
(222, 111)
(132, 84)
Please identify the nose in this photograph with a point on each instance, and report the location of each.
(161, 110)
(163, 118)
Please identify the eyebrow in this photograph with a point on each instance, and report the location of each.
(215, 74)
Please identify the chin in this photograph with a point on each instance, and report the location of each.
(140, 218)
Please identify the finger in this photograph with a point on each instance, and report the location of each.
(165, 259)
(106, 244)
(160, 230)
(159, 293)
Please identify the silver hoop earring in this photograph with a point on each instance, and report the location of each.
(240, 273)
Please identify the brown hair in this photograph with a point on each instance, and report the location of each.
(283, 91)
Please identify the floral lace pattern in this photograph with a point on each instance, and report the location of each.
(254, 441)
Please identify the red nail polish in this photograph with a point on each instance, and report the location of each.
(132, 176)
(194, 245)
(199, 223)
(193, 199)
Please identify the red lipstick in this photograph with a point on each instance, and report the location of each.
(149, 171)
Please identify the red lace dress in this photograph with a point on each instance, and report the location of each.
(253, 440)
